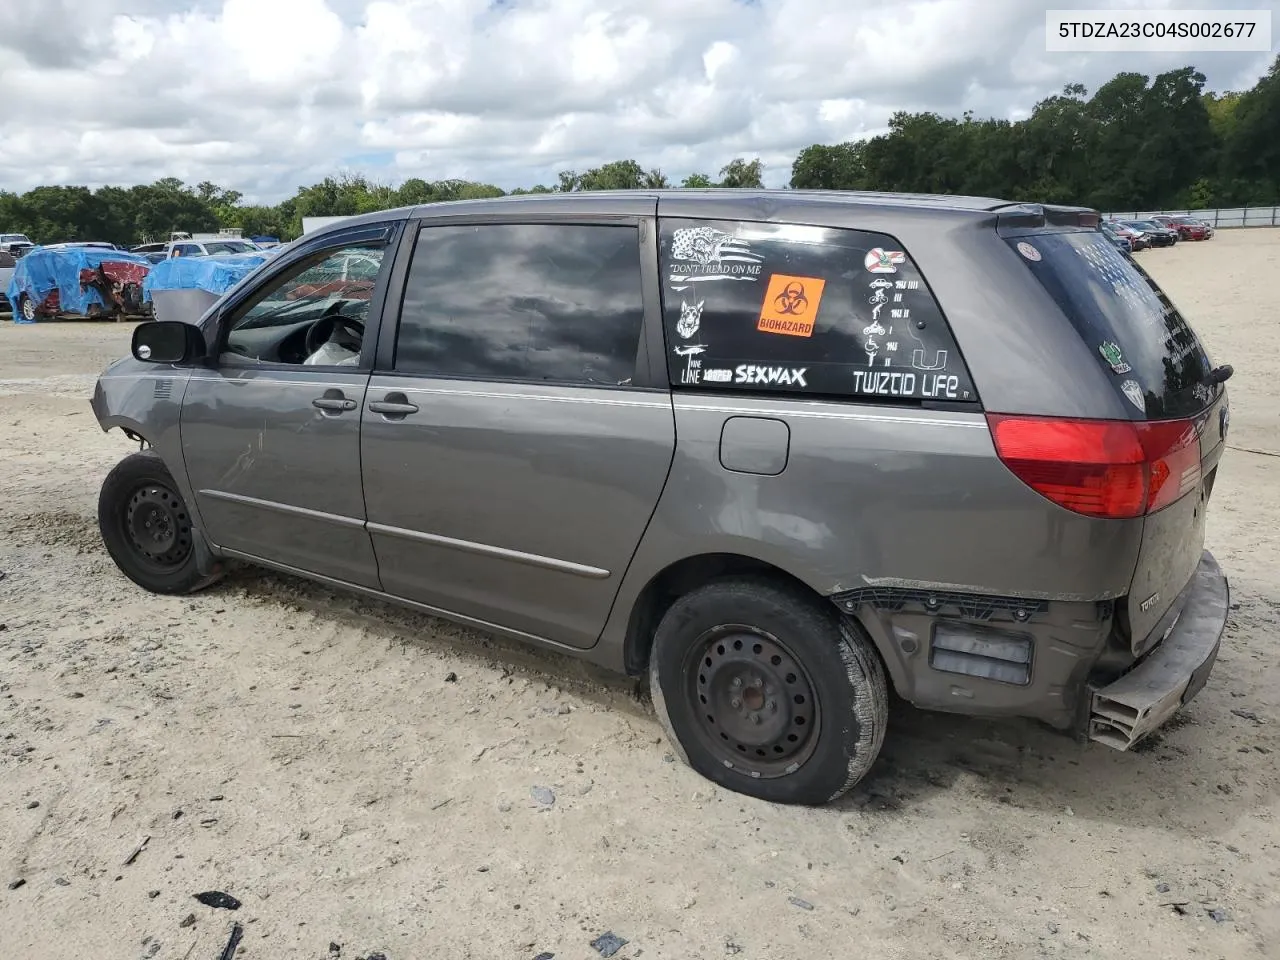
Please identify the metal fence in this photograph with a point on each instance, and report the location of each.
(1220, 218)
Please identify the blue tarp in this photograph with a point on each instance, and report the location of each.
(42, 270)
(216, 274)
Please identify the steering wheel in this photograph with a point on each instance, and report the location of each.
(336, 328)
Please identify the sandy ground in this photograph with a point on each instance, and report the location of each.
(309, 754)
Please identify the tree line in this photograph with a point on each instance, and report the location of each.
(1136, 143)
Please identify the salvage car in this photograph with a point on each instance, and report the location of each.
(78, 279)
(15, 244)
(777, 451)
(1188, 227)
(1157, 235)
(1119, 242)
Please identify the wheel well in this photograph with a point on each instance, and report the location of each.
(678, 579)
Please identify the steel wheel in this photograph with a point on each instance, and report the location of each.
(754, 702)
(157, 526)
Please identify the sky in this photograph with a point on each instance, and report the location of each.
(264, 96)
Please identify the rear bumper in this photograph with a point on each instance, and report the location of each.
(1124, 712)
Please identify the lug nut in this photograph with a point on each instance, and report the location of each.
(735, 703)
(773, 706)
(755, 718)
(737, 682)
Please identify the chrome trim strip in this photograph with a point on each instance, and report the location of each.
(403, 601)
(245, 381)
(484, 549)
(776, 410)
(335, 519)
(374, 387)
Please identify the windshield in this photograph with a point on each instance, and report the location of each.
(229, 246)
(1156, 361)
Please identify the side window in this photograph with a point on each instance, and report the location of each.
(186, 250)
(315, 313)
(543, 302)
(799, 309)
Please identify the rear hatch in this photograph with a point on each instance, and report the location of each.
(1176, 406)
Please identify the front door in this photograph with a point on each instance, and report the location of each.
(271, 433)
(513, 448)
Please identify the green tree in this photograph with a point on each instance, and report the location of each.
(697, 181)
(839, 166)
(742, 173)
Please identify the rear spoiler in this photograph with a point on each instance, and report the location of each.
(1019, 217)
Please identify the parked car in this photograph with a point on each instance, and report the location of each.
(154, 252)
(81, 279)
(7, 265)
(1138, 240)
(778, 451)
(205, 248)
(1156, 235)
(15, 244)
(1188, 228)
(1119, 242)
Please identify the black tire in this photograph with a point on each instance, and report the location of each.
(764, 691)
(147, 528)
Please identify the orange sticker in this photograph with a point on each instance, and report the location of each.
(791, 305)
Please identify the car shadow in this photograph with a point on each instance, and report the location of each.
(1200, 752)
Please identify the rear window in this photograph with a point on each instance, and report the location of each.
(1154, 358)
(805, 310)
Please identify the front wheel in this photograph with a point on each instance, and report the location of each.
(146, 526)
(767, 693)
(27, 307)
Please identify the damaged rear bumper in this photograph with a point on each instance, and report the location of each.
(1124, 712)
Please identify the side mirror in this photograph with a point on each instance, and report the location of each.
(167, 341)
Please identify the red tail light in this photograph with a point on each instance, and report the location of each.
(1112, 469)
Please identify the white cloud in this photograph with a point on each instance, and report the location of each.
(266, 95)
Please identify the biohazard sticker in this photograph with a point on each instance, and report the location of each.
(879, 260)
(790, 305)
(1028, 251)
(1133, 391)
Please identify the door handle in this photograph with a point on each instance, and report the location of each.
(333, 400)
(394, 406)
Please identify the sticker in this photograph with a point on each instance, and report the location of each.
(690, 318)
(1115, 359)
(877, 301)
(939, 360)
(708, 254)
(879, 260)
(907, 285)
(787, 376)
(1028, 251)
(875, 329)
(717, 376)
(880, 283)
(1134, 392)
(872, 349)
(692, 366)
(791, 305)
(1202, 393)
(885, 383)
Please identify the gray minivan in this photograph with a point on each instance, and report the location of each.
(778, 450)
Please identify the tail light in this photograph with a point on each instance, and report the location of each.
(1113, 469)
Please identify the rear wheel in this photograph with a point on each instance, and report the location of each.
(767, 693)
(146, 526)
